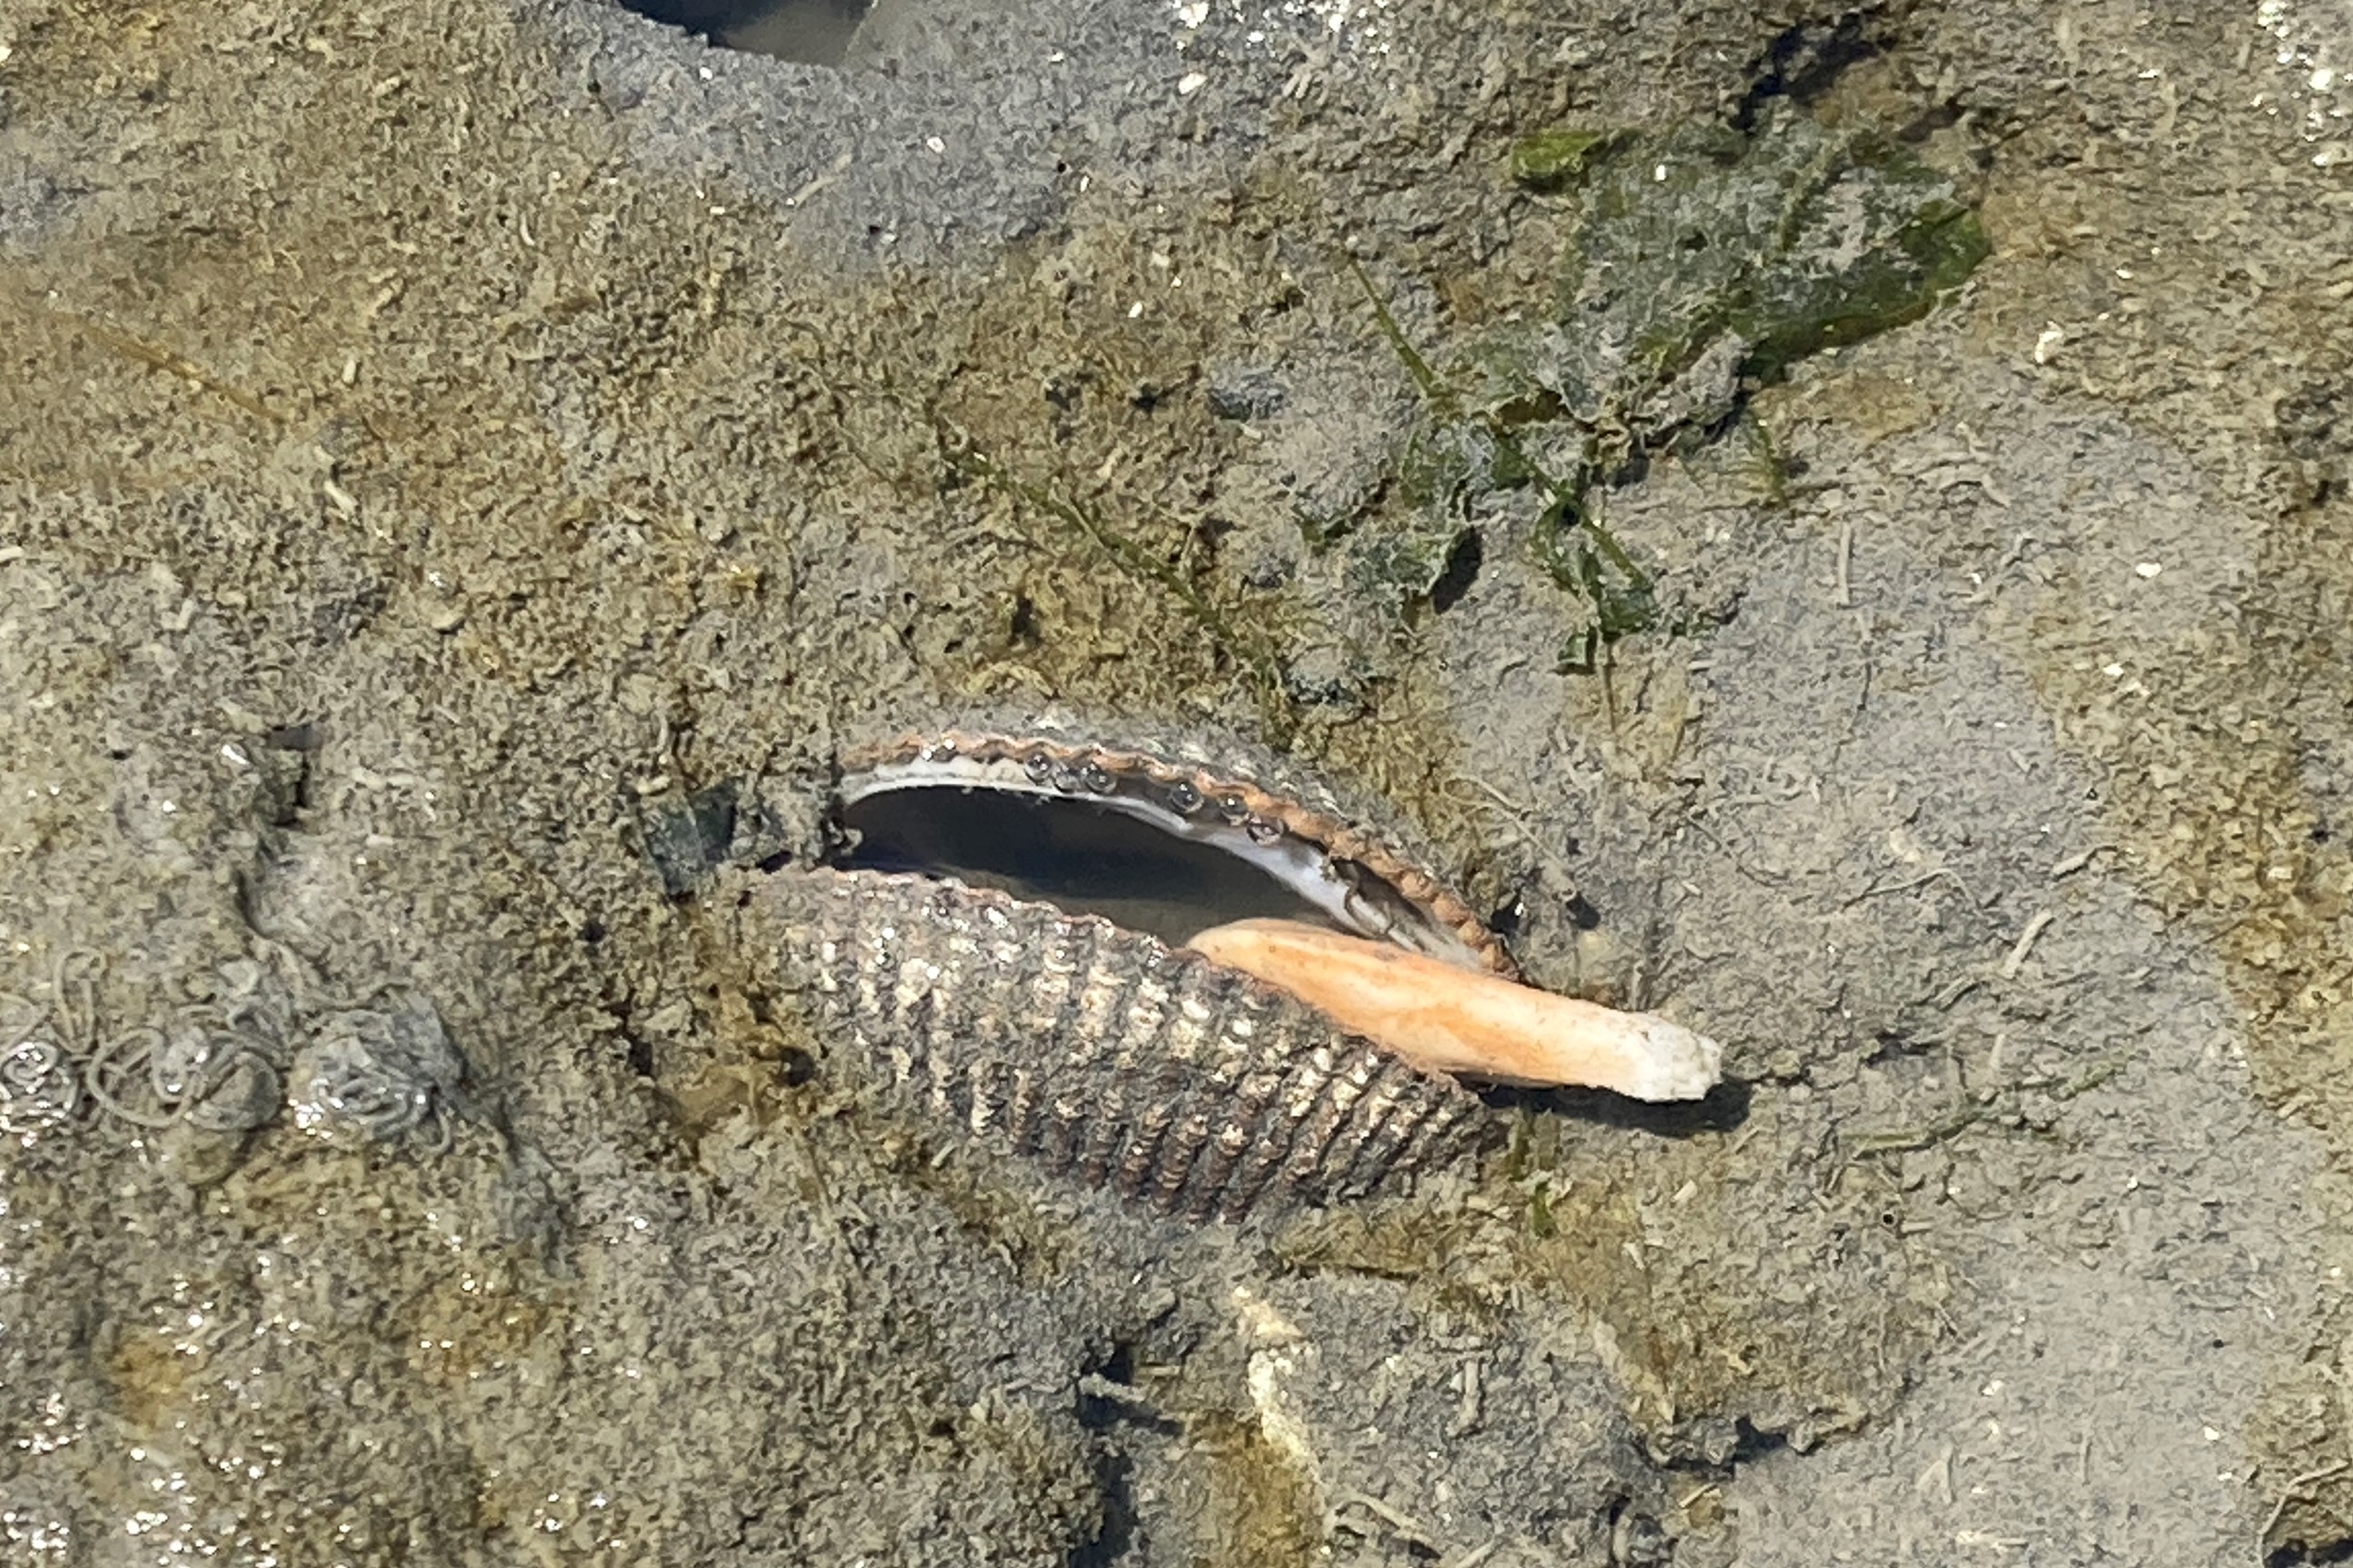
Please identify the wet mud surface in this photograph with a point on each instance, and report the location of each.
(464, 469)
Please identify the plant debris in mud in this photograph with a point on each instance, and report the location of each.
(1701, 259)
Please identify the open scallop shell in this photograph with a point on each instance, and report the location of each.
(1004, 940)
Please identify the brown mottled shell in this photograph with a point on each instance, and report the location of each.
(1100, 1051)
(1258, 789)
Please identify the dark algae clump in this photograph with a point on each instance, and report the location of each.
(1700, 261)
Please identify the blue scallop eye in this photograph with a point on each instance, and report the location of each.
(1039, 766)
(1184, 797)
(1098, 779)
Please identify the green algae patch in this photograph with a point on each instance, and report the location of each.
(1472, 444)
(1701, 261)
(1553, 160)
(1772, 246)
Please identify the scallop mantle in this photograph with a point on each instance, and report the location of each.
(1102, 1051)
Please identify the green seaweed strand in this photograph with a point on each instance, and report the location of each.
(1250, 651)
(1570, 545)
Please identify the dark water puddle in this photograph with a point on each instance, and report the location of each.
(814, 32)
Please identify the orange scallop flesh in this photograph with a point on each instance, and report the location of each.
(1441, 1018)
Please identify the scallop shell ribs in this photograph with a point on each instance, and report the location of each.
(1099, 1050)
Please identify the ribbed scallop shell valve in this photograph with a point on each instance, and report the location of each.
(1349, 862)
(1101, 1052)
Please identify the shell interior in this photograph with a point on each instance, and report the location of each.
(1162, 852)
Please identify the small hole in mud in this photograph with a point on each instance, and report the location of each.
(1509, 919)
(814, 32)
(1461, 570)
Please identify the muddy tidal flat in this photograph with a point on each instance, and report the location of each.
(1827, 524)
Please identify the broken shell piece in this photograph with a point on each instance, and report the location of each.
(1442, 1018)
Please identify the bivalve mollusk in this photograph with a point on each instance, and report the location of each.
(1008, 942)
